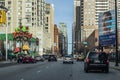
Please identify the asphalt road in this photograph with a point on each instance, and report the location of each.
(54, 71)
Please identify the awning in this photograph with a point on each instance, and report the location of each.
(33, 39)
(10, 37)
(3, 37)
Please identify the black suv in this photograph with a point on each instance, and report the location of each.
(52, 58)
(95, 60)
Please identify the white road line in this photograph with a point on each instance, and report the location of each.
(21, 79)
(39, 71)
(47, 67)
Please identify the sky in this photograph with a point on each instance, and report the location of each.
(64, 12)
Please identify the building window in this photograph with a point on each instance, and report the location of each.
(9, 18)
(46, 27)
(9, 2)
(32, 24)
(20, 8)
(46, 24)
(47, 19)
(32, 3)
(20, 2)
(8, 23)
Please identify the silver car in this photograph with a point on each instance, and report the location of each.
(68, 59)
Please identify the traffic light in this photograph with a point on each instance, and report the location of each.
(2, 16)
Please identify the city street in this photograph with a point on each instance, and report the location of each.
(54, 71)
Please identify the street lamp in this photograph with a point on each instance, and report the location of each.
(116, 60)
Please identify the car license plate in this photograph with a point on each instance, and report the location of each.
(97, 61)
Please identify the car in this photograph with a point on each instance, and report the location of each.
(96, 61)
(52, 58)
(112, 56)
(28, 59)
(68, 59)
(39, 58)
(45, 56)
(20, 58)
(80, 57)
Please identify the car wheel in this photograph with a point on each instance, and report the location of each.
(106, 70)
(77, 60)
(86, 68)
(18, 61)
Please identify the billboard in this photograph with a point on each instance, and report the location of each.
(107, 32)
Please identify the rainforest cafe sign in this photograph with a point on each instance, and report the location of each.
(22, 34)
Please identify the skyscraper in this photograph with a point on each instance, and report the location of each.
(63, 38)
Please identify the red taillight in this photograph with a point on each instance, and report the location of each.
(87, 60)
(107, 61)
(71, 58)
(64, 58)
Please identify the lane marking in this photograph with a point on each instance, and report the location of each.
(39, 71)
(21, 79)
(47, 67)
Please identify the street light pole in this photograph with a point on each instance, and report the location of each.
(116, 60)
(6, 38)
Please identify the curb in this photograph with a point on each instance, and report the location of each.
(116, 68)
(5, 64)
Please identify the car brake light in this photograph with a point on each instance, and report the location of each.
(107, 61)
(71, 58)
(87, 60)
(64, 58)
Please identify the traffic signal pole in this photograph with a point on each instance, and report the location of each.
(116, 59)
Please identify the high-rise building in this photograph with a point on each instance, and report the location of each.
(101, 6)
(76, 4)
(88, 17)
(29, 13)
(118, 13)
(56, 40)
(40, 28)
(76, 30)
(49, 28)
(90, 10)
(63, 38)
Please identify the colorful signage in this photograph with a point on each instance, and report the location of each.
(107, 30)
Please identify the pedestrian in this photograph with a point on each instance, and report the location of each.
(0, 55)
(103, 56)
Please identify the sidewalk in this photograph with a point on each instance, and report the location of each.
(7, 63)
(112, 65)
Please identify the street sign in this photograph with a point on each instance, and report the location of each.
(85, 43)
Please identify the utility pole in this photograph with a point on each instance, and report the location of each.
(116, 60)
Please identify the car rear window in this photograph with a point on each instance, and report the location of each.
(68, 56)
(52, 56)
(93, 55)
